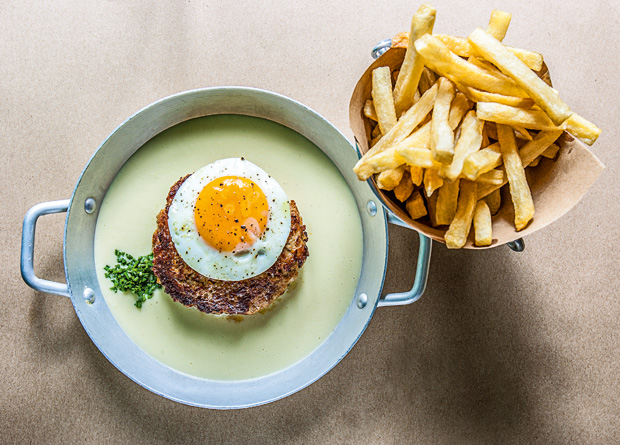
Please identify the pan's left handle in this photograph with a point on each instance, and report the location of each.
(421, 272)
(27, 260)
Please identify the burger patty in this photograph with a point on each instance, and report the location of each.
(243, 297)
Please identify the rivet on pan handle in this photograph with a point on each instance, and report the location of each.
(27, 260)
(421, 272)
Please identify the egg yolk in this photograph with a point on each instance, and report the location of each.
(231, 212)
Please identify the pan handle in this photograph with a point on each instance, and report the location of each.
(421, 273)
(27, 260)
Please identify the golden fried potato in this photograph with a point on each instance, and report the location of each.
(542, 94)
(519, 189)
(411, 69)
(483, 230)
(456, 235)
(415, 205)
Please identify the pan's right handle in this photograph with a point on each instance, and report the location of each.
(421, 271)
(27, 260)
(381, 47)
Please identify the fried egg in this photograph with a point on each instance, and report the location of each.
(230, 220)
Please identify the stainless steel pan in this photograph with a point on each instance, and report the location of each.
(83, 288)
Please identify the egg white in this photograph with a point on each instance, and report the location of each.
(207, 260)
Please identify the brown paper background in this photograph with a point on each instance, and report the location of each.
(502, 347)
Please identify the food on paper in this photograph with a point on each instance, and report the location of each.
(515, 172)
(404, 188)
(442, 136)
(415, 205)
(493, 200)
(383, 100)
(542, 94)
(475, 115)
(469, 141)
(411, 70)
(456, 235)
(463, 48)
(483, 232)
(445, 206)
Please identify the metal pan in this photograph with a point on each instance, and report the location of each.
(83, 288)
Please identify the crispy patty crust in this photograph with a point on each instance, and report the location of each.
(243, 297)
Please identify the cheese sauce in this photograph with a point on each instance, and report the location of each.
(217, 347)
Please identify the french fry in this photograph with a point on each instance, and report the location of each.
(375, 132)
(469, 141)
(498, 24)
(400, 40)
(424, 137)
(420, 138)
(426, 120)
(417, 157)
(513, 116)
(425, 81)
(388, 159)
(462, 47)
(483, 231)
(494, 201)
(417, 174)
(383, 99)
(431, 206)
(519, 189)
(456, 235)
(369, 110)
(527, 153)
(444, 62)
(537, 89)
(459, 107)
(485, 137)
(476, 95)
(404, 188)
(482, 161)
(535, 162)
(389, 179)
(400, 131)
(551, 152)
(582, 129)
(522, 133)
(491, 129)
(447, 198)
(536, 147)
(488, 66)
(494, 177)
(416, 96)
(385, 160)
(415, 205)
(432, 181)
(432, 76)
(442, 136)
(411, 69)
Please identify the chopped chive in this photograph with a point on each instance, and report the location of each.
(133, 275)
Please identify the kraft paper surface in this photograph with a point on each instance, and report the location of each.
(502, 347)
